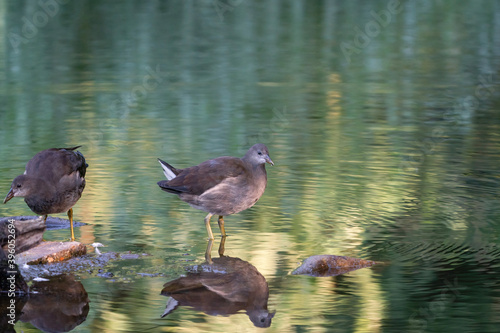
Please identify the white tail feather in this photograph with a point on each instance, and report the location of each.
(167, 172)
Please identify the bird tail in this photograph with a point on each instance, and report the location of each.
(169, 171)
(71, 148)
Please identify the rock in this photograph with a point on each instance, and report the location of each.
(54, 223)
(28, 232)
(49, 252)
(330, 265)
(129, 256)
(11, 280)
(106, 275)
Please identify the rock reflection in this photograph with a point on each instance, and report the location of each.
(11, 280)
(330, 265)
(10, 311)
(57, 305)
(13, 290)
(221, 286)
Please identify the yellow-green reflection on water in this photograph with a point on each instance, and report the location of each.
(391, 156)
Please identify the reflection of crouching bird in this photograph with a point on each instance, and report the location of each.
(59, 305)
(224, 287)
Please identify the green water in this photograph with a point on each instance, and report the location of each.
(381, 117)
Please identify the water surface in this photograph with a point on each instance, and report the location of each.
(386, 147)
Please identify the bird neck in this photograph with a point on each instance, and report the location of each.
(258, 170)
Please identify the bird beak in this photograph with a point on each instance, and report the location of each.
(9, 196)
(268, 160)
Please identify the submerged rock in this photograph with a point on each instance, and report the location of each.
(330, 265)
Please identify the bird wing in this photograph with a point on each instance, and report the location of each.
(198, 179)
(181, 284)
(52, 164)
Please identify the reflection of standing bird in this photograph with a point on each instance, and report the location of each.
(52, 183)
(222, 186)
(225, 287)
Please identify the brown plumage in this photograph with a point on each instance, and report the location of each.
(224, 287)
(52, 183)
(222, 186)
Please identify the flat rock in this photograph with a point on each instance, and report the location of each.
(28, 230)
(54, 223)
(50, 252)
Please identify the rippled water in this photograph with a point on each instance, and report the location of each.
(389, 153)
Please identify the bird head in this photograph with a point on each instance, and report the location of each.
(259, 154)
(21, 187)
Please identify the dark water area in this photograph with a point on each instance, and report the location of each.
(382, 119)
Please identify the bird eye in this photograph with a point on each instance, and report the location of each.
(259, 152)
(18, 185)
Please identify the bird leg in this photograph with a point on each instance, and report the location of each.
(70, 216)
(221, 226)
(45, 222)
(208, 252)
(221, 246)
(207, 224)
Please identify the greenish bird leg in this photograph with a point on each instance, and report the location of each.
(208, 252)
(207, 224)
(44, 221)
(70, 216)
(221, 226)
(221, 246)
